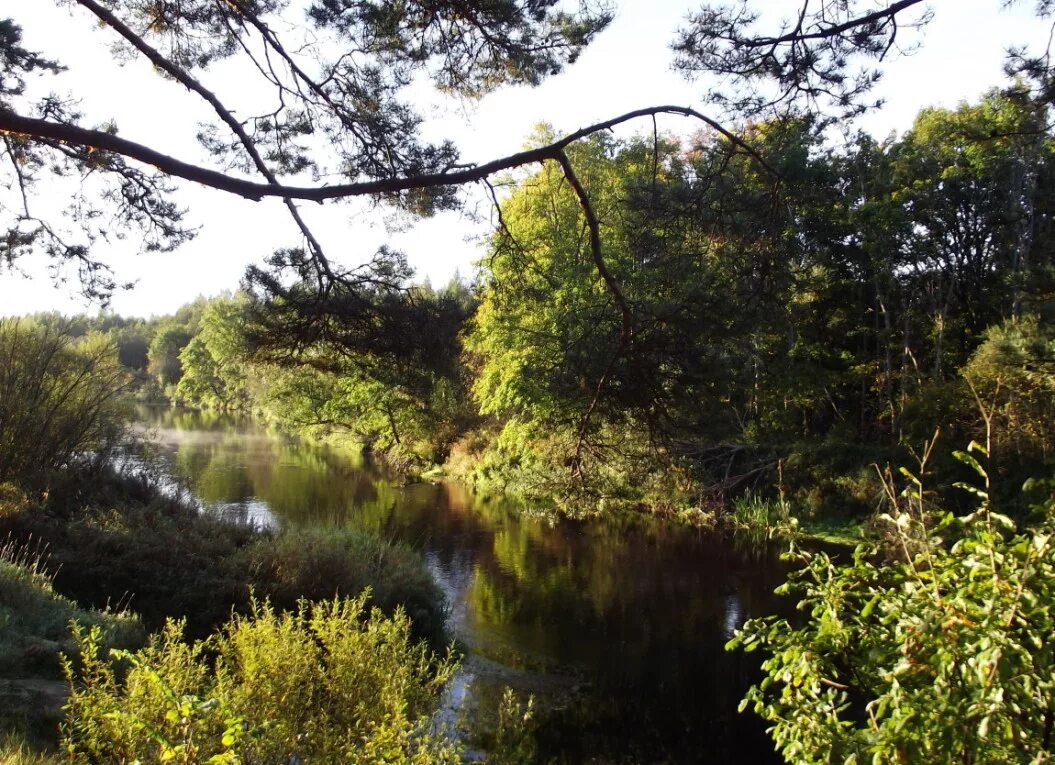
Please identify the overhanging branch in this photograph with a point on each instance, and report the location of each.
(29, 128)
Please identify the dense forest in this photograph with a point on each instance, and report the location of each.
(794, 331)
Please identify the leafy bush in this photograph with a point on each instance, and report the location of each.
(318, 564)
(330, 682)
(58, 396)
(943, 656)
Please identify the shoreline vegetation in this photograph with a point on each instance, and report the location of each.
(138, 559)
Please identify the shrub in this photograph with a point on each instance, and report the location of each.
(59, 397)
(326, 683)
(943, 656)
(319, 564)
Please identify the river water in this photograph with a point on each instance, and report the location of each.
(616, 626)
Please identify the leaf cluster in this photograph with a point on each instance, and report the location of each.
(943, 655)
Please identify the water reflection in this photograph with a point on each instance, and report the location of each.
(619, 623)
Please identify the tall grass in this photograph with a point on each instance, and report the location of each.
(35, 620)
(15, 751)
(760, 516)
(34, 633)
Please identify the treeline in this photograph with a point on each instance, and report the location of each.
(809, 326)
(216, 354)
(773, 316)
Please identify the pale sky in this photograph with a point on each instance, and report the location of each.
(627, 67)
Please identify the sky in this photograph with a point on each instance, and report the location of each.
(627, 67)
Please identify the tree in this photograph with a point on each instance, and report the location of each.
(59, 397)
(341, 82)
(824, 59)
(701, 259)
(342, 110)
(164, 353)
(967, 182)
(214, 373)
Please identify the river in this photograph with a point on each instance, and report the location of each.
(616, 626)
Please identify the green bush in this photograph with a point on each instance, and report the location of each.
(1013, 372)
(59, 397)
(327, 683)
(319, 564)
(942, 656)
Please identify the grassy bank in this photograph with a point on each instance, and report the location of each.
(34, 633)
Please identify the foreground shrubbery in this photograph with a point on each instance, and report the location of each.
(329, 682)
(945, 656)
(115, 540)
(319, 563)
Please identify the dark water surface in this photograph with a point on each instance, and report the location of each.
(616, 626)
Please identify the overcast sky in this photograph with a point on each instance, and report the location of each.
(628, 67)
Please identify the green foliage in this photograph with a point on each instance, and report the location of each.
(1013, 374)
(513, 739)
(941, 656)
(59, 397)
(770, 325)
(329, 682)
(760, 517)
(321, 563)
(214, 374)
(164, 353)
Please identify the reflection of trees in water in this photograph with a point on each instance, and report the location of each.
(640, 609)
(299, 483)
